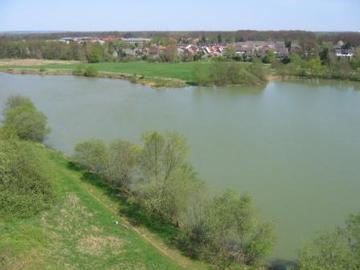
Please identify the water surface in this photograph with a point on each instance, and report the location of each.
(294, 146)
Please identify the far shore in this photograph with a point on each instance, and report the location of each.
(154, 75)
(153, 82)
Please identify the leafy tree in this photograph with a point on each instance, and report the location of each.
(219, 38)
(167, 178)
(315, 67)
(94, 53)
(24, 119)
(288, 44)
(92, 155)
(327, 252)
(346, 46)
(227, 231)
(122, 163)
(325, 55)
(269, 57)
(230, 52)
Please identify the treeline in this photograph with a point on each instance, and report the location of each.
(224, 229)
(221, 72)
(230, 36)
(25, 188)
(39, 49)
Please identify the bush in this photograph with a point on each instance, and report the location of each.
(24, 186)
(94, 53)
(269, 57)
(92, 155)
(226, 230)
(79, 70)
(167, 179)
(21, 116)
(123, 157)
(339, 249)
(222, 73)
(90, 72)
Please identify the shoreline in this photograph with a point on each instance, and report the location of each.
(153, 82)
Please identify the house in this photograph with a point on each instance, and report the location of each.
(110, 38)
(191, 49)
(260, 48)
(81, 40)
(139, 42)
(344, 52)
(213, 50)
(245, 48)
(341, 50)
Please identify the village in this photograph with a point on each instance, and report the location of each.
(195, 49)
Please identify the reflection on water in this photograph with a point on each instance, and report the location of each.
(293, 145)
(318, 83)
(229, 91)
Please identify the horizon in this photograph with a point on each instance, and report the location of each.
(168, 31)
(162, 16)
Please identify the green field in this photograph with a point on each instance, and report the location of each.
(81, 232)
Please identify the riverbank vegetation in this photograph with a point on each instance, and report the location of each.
(52, 218)
(324, 65)
(158, 75)
(24, 185)
(26, 122)
(156, 177)
(115, 205)
(222, 73)
(336, 250)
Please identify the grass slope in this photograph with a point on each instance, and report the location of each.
(79, 232)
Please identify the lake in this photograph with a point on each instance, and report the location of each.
(294, 146)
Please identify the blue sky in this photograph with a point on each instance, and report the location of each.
(130, 15)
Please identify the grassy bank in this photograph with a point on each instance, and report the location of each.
(152, 74)
(156, 75)
(83, 230)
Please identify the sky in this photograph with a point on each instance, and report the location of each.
(166, 15)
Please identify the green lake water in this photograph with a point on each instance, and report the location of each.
(294, 146)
